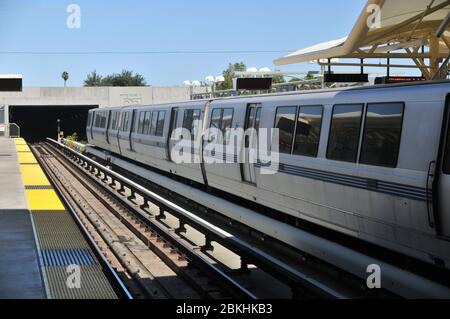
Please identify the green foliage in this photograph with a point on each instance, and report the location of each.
(93, 79)
(73, 137)
(278, 79)
(295, 80)
(125, 78)
(307, 77)
(228, 75)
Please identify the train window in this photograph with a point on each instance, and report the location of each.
(285, 123)
(196, 123)
(160, 123)
(216, 117)
(382, 133)
(258, 118)
(251, 118)
(309, 126)
(153, 123)
(141, 123)
(124, 126)
(190, 121)
(103, 120)
(222, 119)
(117, 122)
(345, 132)
(112, 123)
(89, 119)
(146, 122)
(227, 123)
(98, 119)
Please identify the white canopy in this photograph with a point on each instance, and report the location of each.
(400, 25)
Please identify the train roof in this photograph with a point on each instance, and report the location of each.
(271, 96)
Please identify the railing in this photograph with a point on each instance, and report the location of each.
(73, 145)
(276, 88)
(12, 130)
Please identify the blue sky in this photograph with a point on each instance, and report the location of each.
(170, 25)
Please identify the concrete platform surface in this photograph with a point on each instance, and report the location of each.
(20, 275)
(12, 194)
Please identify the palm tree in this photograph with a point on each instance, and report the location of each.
(65, 77)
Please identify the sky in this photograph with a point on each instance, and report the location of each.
(35, 38)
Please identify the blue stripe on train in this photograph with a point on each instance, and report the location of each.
(389, 188)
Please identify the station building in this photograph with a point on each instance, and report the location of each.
(33, 112)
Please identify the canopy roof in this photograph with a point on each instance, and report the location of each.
(400, 25)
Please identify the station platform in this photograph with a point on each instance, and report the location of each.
(40, 242)
(20, 275)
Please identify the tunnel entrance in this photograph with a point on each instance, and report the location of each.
(38, 122)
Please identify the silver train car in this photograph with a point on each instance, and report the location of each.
(372, 162)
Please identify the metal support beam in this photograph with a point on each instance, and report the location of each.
(425, 55)
(440, 31)
(419, 64)
(446, 41)
(371, 65)
(434, 58)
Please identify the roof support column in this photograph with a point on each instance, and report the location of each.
(434, 55)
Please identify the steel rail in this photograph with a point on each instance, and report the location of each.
(110, 273)
(222, 279)
(293, 278)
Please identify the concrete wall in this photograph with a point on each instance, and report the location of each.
(101, 96)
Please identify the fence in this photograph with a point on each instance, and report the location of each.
(9, 130)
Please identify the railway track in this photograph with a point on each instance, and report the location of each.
(155, 213)
(149, 264)
(304, 275)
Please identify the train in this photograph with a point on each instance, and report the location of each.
(369, 162)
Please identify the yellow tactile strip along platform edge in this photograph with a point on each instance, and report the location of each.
(64, 238)
(40, 195)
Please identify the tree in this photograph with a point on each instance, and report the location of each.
(295, 80)
(65, 77)
(93, 79)
(228, 74)
(125, 78)
(278, 79)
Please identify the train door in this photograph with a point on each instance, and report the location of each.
(132, 124)
(119, 127)
(253, 117)
(172, 126)
(91, 124)
(108, 126)
(124, 133)
(444, 177)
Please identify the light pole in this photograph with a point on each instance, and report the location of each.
(191, 85)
